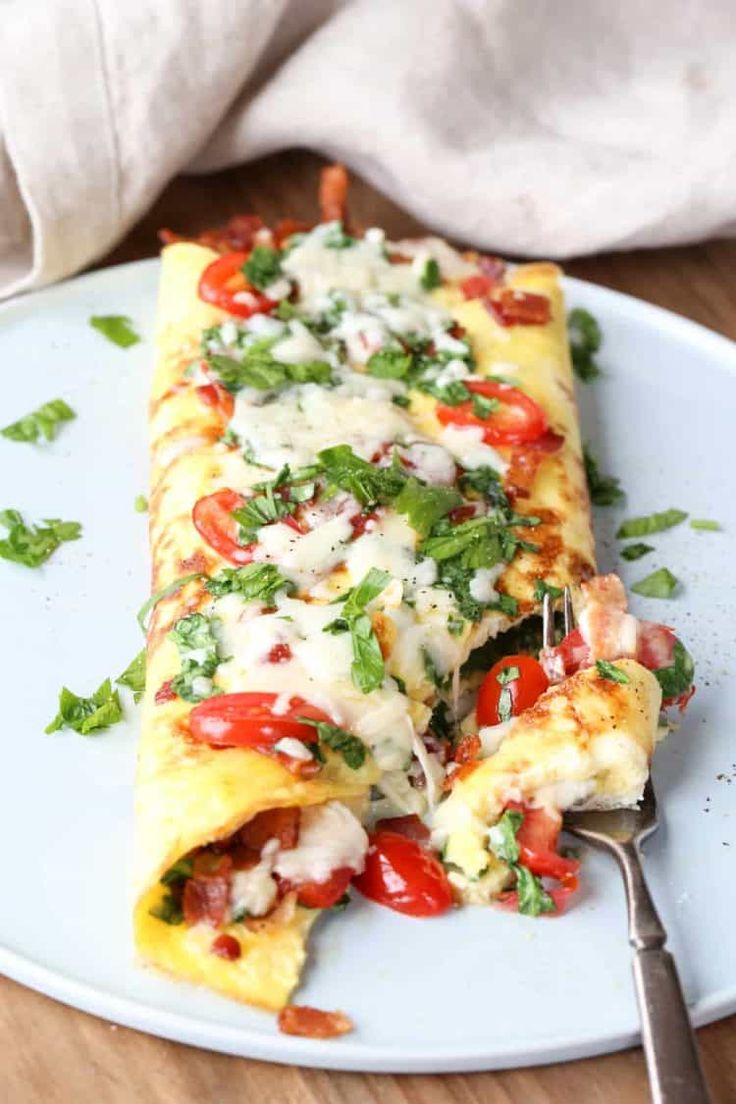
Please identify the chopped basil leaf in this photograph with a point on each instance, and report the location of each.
(424, 506)
(486, 482)
(611, 672)
(117, 328)
(168, 909)
(541, 587)
(366, 590)
(164, 592)
(502, 836)
(636, 551)
(455, 625)
(533, 897)
(604, 489)
(259, 511)
(254, 582)
(483, 407)
(505, 699)
(440, 722)
(368, 483)
(650, 523)
(134, 675)
(431, 277)
(677, 678)
(46, 422)
(336, 238)
(451, 394)
(585, 340)
(140, 504)
(87, 715)
(197, 646)
(32, 545)
(660, 584)
(263, 267)
(179, 872)
(368, 669)
(337, 739)
(389, 364)
(401, 400)
(260, 370)
(704, 523)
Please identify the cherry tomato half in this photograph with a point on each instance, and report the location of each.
(248, 720)
(218, 397)
(403, 876)
(516, 420)
(222, 280)
(538, 838)
(524, 690)
(213, 519)
(324, 894)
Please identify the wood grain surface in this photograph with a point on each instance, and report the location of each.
(51, 1054)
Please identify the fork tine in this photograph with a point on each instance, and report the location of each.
(548, 623)
(569, 613)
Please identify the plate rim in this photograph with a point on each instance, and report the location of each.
(350, 1053)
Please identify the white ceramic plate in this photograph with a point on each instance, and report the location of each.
(474, 990)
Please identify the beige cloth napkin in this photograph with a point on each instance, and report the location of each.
(539, 127)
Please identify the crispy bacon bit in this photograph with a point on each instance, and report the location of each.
(313, 1023)
(207, 893)
(360, 521)
(217, 397)
(478, 286)
(164, 693)
(511, 307)
(238, 233)
(399, 258)
(468, 748)
(280, 653)
(226, 946)
(410, 826)
(461, 513)
(333, 194)
(285, 228)
(280, 824)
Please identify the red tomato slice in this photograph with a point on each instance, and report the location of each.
(213, 519)
(538, 837)
(517, 420)
(409, 826)
(404, 877)
(561, 895)
(520, 308)
(475, 287)
(222, 280)
(524, 690)
(324, 895)
(218, 397)
(247, 720)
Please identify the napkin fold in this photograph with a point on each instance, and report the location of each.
(538, 128)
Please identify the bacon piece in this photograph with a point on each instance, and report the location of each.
(656, 645)
(333, 193)
(280, 824)
(286, 227)
(206, 894)
(226, 946)
(313, 1023)
(511, 307)
(608, 630)
(409, 826)
(280, 653)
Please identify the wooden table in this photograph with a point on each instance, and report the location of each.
(50, 1054)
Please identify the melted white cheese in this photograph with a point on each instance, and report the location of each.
(330, 838)
(467, 445)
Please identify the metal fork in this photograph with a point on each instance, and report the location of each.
(670, 1048)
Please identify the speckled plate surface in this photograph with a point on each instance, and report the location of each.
(473, 990)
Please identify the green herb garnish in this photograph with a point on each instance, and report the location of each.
(259, 369)
(198, 649)
(533, 897)
(604, 489)
(168, 909)
(117, 328)
(389, 364)
(585, 340)
(179, 872)
(431, 277)
(505, 699)
(140, 504)
(370, 484)
(650, 523)
(134, 675)
(660, 584)
(44, 422)
(636, 551)
(87, 715)
(263, 267)
(337, 739)
(678, 677)
(164, 592)
(706, 524)
(370, 586)
(541, 587)
(368, 669)
(31, 545)
(424, 506)
(611, 672)
(254, 583)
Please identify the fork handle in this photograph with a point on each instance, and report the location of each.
(670, 1049)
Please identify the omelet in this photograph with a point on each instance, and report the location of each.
(364, 459)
